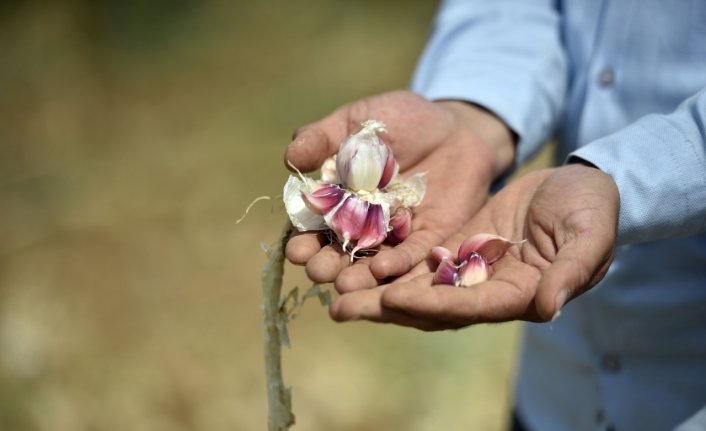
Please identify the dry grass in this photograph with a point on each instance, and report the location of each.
(131, 139)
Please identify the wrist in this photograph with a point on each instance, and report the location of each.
(573, 160)
(489, 129)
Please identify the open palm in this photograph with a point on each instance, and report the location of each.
(568, 217)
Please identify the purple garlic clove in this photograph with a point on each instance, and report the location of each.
(401, 224)
(374, 230)
(349, 219)
(446, 273)
(490, 247)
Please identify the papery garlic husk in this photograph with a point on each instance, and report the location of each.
(328, 171)
(410, 192)
(473, 271)
(363, 160)
(300, 214)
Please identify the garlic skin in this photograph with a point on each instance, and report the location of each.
(475, 255)
(324, 198)
(301, 216)
(359, 188)
(329, 174)
(364, 162)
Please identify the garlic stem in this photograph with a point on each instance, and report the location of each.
(279, 397)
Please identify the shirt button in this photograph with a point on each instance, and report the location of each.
(610, 363)
(606, 77)
(600, 416)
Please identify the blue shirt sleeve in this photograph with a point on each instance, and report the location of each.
(659, 166)
(505, 55)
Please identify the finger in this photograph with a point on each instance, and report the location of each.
(496, 300)
(579, 264)
(325, 265)
(356, 277)
(302, 246)
(366, 305)
(362, 304)
(359, 275)
(426, 266)
(405, 256)
(312, 144)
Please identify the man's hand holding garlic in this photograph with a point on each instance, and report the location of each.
(568, 218)
(460, 147)
(360, 198)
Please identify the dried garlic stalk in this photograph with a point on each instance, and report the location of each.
(279, 397)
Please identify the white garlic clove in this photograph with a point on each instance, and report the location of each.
(362, 158)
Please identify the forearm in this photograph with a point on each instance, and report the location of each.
(505, 56)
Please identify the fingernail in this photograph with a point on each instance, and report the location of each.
(559, 302)
(440, 253)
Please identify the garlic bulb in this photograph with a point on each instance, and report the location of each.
(358, 191)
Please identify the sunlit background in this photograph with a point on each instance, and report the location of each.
(133, 134)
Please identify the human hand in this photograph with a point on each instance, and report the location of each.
(567, 215)
(461, 146)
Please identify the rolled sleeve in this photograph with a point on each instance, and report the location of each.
(505, 55)
(659, 166)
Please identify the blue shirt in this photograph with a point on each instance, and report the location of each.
(620, 83)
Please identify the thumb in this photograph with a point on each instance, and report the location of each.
(312, 144)
(578, 266)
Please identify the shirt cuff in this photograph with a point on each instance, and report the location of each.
(661, 177)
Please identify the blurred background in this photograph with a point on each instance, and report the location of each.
(133, 135)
